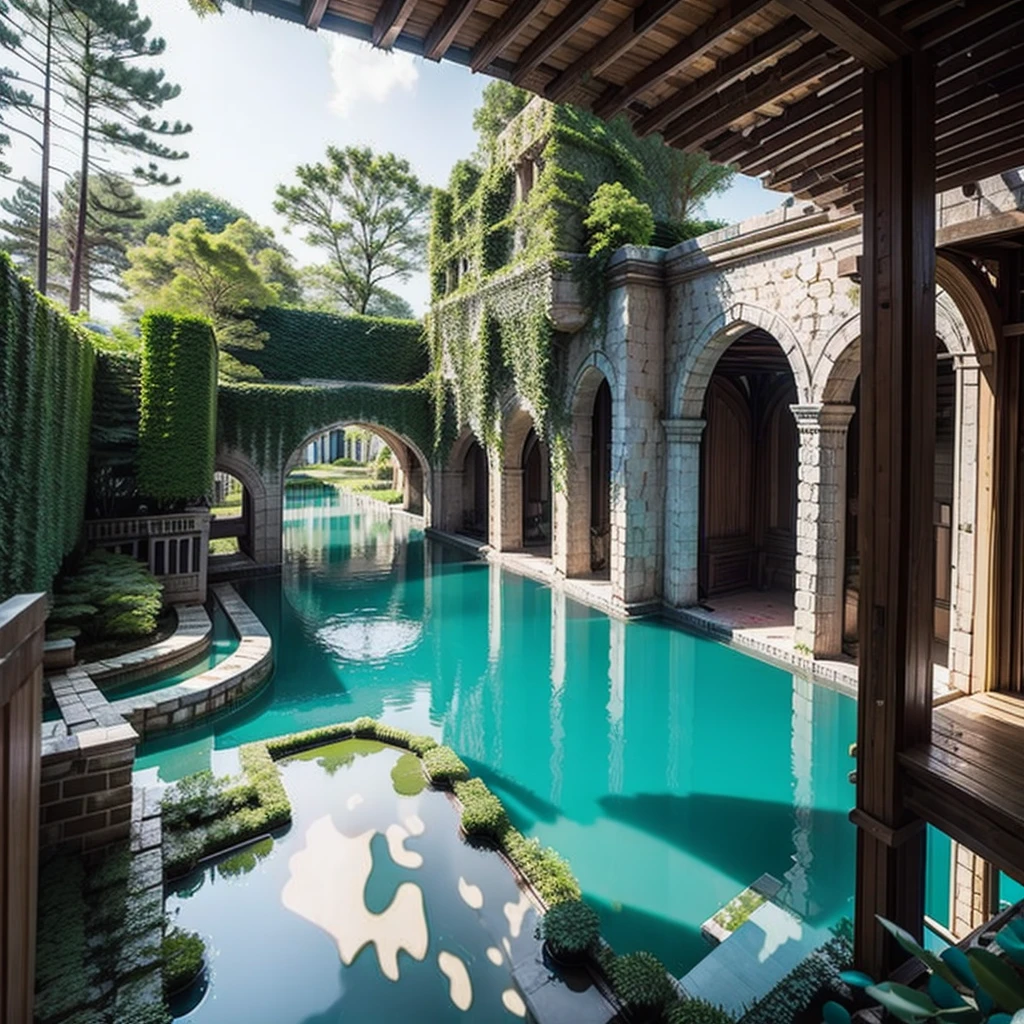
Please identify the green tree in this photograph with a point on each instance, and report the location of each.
(367, 211)
(214, 212)
(190, 270)
(500, 102)
(20, 226)
(114, 98)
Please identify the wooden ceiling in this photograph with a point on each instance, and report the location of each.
(772, 86)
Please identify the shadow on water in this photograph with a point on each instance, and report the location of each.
(539, 808)
(745, 838)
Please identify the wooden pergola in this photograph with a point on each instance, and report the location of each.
(875, 105)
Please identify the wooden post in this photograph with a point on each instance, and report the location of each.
(896, 492)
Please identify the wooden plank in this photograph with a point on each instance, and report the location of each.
(617, 43)
(727, 71)
(390, 21)
(923, 11)
(851, 159)
(895, 504)
(313, 12)
(969, 15)
(443, 32)
(755, 91)
(503, 32)
(874, 41)
(1010, 157)
(679, 57)
(573, 16)
(1004, 771)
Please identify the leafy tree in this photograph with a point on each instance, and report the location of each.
(500, 102)
(21, 226)
(214, 212)
(114, 98)
(367, 212)
(190, 270)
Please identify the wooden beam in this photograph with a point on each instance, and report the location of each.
(684, 53)
(619, 41)
(897, 492)
(1003, 121)
(969, 15)
(503, 32)
(573, 16)
(727, 71)
(872, 40)
(313, 12)
(924, 11)
(821, 162)
(838, 169)
(973, 43)
(390, 21)
(740, 99)
(1008, 158)
(443, 32)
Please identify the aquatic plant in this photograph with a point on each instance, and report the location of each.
(976, 987)
(570, 929)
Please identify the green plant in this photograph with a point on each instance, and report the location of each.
(615, 217)
(547, 871)
(976, 987)
(697, 1011)
(483, 814)
(570, 928)
(444, 766)
(183, 954)
(642, 984)
(178, 408)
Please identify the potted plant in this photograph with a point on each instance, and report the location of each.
(569, 931)
(642, 985)
(184, 957)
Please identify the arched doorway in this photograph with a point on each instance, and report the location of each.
(536, 509)
(747, 534)
(230, 515)
(601, 481)
(475, 491)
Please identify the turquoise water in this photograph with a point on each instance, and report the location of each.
(223, 643)
(671, 771)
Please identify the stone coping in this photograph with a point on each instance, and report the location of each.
(239, 674)
(191, 637)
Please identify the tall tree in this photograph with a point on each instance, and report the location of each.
(12, 97)
(20, 226)
(191, 270)
(115, 99)
(499, 103)
(367, 212)
(214, 212)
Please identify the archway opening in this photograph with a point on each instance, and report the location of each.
(601, 481)
(475, 491)
(536, 509)
(747, 537)
(230, 515)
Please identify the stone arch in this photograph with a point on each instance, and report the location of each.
(414, 465)
(588, 378)
(461, 445)
(716, 336)
(262, 513)
(463, 503)
(507, 472)
(973, 299)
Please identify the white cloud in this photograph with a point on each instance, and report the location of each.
(361, 73)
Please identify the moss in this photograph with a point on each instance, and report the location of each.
(407, 775)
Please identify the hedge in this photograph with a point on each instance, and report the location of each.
(178, 407)
(46, 378)
(305, 345)
(114, 439)
(269, 422)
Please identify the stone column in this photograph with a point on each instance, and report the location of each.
(506, 508)
(570, 549)
(682, 509)
(821, 527)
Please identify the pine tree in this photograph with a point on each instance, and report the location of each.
(21, 226)
(11, 96)
(115, 99)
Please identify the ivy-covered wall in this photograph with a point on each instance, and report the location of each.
(178, 407)
(307, 345)
(114, 439)
(268, 422)
(46, 375)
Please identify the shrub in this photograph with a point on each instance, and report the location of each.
(482, 812)
(615, 217)
(641, 983)
(548, 872)
(182, 954)
(444, 766)
(178, 407)
(697, 1011)
(570, 928)
(107, 596)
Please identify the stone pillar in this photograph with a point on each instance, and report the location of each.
(448, 503)
(682, 509)
(973, 891)
(506, 507)
(570, 527)
(821, 527)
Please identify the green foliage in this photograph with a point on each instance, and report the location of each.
(114, 437)
(697, 1011)
(301, 344)
(177, 425)
(496, 228)
(641, 983)
(366, 211)
(616, 218)
(548, 872)
(46, 377)
(738, 909)
(571, 928)
(183, 954)
(500, 103)
(270, 421)
(107, 596)
(444, 766)
(483, 814)
(440, 235)
(215, 213)
(407, 775)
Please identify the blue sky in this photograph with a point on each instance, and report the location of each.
(264, 95)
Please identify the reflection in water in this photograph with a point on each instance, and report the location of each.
(670, 771)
